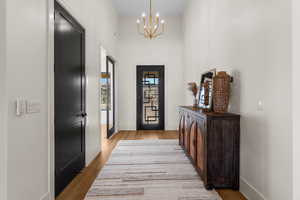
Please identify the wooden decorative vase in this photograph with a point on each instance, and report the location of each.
(221, 92)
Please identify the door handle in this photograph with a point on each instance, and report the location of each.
(83, 115)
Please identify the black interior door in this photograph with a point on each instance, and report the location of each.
(110, 69)
(150, 98)
(70, 86)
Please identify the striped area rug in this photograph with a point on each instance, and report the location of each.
(149, 170)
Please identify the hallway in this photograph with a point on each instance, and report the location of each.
(229, 83)
(82, 183)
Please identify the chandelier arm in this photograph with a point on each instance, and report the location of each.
(156, 29)
(162, 31)
(159, 34)
(147, 31)
(146, 35)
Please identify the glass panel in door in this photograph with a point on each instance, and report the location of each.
(151, 97)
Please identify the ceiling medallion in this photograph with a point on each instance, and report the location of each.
(150, 27)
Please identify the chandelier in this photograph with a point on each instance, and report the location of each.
(150, 27)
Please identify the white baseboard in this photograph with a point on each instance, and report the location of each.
(250, 192)
(45, 196)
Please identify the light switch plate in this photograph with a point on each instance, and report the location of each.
(20, 107)
(33, 107)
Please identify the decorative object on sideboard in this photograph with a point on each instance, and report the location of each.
(206, 90)
(194, 89)
(221, 94)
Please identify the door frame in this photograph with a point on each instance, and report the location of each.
(161, 68)
(50, 193)
(58, 7)
(112, 131)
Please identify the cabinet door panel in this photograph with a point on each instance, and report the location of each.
(193, 139)
(187, 134)
(181, 131)
(201, 146)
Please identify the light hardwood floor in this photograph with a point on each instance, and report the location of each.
(81, 184)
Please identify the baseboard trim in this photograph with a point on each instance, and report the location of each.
(46, 196)
(249, 191)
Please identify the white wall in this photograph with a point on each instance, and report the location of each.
(27, 78)
(136, 50)
(2, 102)
(251, 40)
(296, 98)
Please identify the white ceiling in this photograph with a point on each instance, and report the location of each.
(136, 7)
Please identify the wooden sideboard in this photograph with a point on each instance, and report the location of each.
(212, 142)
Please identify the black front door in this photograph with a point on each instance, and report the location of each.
(150, 98)
(70, 110)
